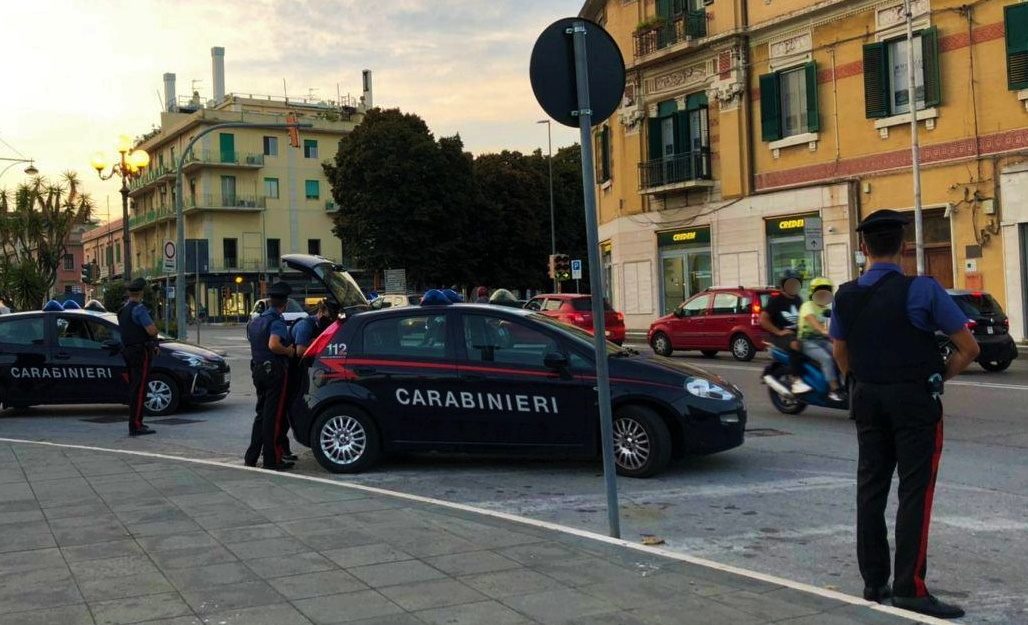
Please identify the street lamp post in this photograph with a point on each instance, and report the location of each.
(130, 165)
(553, 222)
(30, 170)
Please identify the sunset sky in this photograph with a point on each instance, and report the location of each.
(77, 74)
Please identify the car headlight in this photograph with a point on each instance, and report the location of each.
(706, 389)
(195, 361)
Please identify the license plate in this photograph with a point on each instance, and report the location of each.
(990, 330)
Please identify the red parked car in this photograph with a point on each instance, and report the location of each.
(718, 319)
(576, 310)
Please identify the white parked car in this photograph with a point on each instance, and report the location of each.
(294, 312)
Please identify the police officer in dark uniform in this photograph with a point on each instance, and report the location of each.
(271, 348)
(884, 325)
(139, 346)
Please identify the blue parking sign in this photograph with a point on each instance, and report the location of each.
(576, 270)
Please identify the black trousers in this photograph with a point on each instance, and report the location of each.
(899, 426)
(270, 384)
(795, 356)
(292, 390)
(137, 361)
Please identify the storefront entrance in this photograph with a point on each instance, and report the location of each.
(787, 249)
(685, 263)
(938, 248)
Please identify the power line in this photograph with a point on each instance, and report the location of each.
(12, 148)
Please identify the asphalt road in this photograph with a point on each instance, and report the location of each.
(781, 504)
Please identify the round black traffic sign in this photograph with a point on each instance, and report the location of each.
(552, 71)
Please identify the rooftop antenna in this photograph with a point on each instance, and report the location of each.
(310, 93)
(160, 99)
(339, 96)
(285, 91)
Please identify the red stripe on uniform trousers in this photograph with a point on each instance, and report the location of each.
(929, 497)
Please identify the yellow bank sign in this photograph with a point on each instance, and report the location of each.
(684, 237)
(787, 225)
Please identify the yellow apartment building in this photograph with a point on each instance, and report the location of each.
(249, 196)
(745, 122)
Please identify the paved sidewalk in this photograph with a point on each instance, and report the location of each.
(104, 538)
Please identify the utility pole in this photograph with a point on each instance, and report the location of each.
(915, 147)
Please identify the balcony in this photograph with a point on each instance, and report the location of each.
(150, 177)
(226, 202)
(152, 216)
(331, 206)
(219, 158)
(683, 27)
(680, 171)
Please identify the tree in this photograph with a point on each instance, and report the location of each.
(35, 221)
(400, 195)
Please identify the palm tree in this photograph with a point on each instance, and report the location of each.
(35, 220)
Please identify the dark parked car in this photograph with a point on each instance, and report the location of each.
(73, 357)
(990, 326)
(718, 319)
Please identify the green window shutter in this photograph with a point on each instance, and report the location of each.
(312, 190)
(1016, 24)
(931, 61)
(876, 80)
(696, 23)
(813, 111)
(605, 146)
(770, 108)
(696, 101)
(655, 138)
(683, 166)
(227, 145)
(664, 9)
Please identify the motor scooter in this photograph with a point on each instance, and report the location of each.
(778, 377)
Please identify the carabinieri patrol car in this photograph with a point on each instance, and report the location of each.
(490, 379)
(73, 357)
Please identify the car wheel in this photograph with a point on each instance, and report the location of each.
(995, 365)
(709, 353)
(786, 405)
(661, 344)
(162, 395)
(742, 348)
(642, 443)
(344, 440)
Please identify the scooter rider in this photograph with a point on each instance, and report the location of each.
(780, 318)
(813, 332)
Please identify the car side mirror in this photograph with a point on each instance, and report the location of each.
(556, 361)
(679, 312)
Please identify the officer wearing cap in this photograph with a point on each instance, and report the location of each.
(883, 326)
(271, 347)
(139, 346)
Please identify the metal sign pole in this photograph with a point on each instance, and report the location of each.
(578, 32)
(915, 147)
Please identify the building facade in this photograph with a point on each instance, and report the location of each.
(249, 196)
(750, 121)
(68, 282)
(103, 245)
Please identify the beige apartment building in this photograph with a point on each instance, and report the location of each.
(249, 195)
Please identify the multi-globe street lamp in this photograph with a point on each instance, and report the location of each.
(130, 165)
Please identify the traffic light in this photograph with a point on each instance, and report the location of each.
(552, 272)
(87, 273)
(562, 267)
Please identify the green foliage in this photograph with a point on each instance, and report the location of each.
(114, 296)
(410, 201)
(35, 220)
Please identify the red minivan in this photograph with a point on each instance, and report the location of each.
(718, 319)
(576, 310)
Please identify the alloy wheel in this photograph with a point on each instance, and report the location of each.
(631, 443)
(343, 440)
(158, 396)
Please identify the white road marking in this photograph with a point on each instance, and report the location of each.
(982, 525)
(667, 553)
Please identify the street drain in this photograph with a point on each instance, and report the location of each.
(176, 421)
(767, 432)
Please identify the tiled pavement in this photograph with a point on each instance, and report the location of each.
(103, 538)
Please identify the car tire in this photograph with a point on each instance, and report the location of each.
(162, 395)
(344, 439)
(642, 442)
(661, 344)
(709, 353)
(786, 405)
(743, 349)
(996, 365)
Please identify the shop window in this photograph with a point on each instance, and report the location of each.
(1015, 17)
(886, 75)
(788, 103)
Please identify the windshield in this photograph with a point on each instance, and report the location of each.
(342, 285)
(978, 304)
(585, 338)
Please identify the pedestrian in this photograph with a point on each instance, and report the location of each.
(139, 346)
(271, 347)
(883, 326)
(780, 319)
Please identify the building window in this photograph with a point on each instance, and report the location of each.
(886, 75)
(603, 155)
(69, 262)
(67, 289)
(310, 148)
(312, 189)
(274, 252)
(679, 143)
(228, 250)
(314, 246)
(270, 146)
(788, 103)
(228, 190)
(227, 147)
(1015, 17)
(271, 188)
(117, 252)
